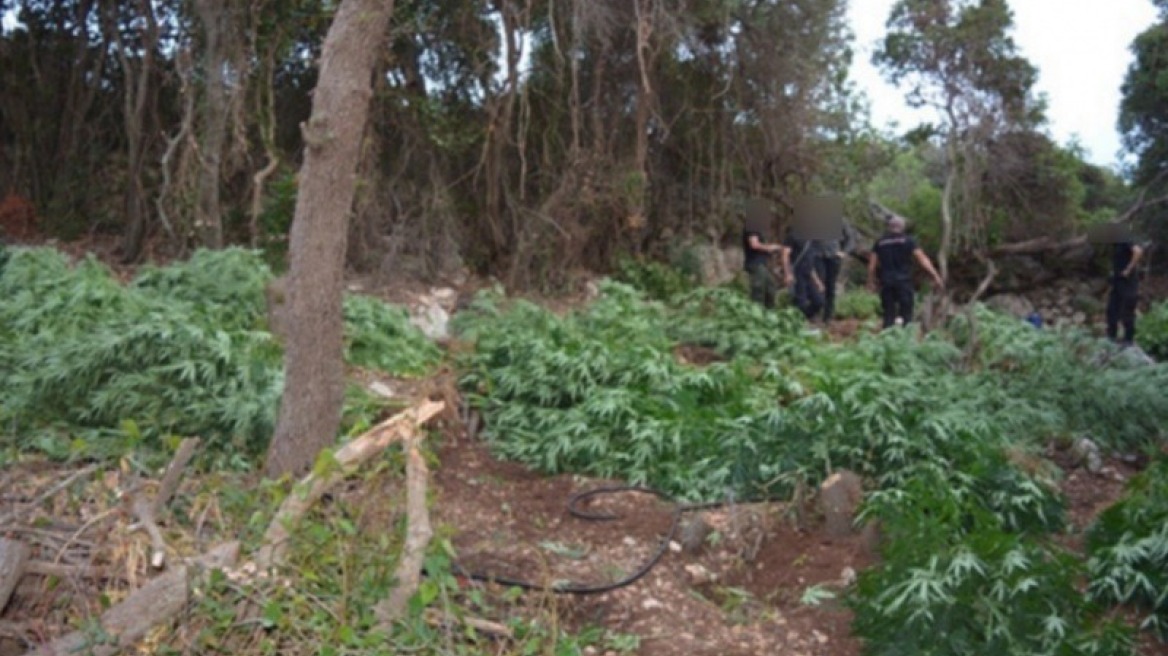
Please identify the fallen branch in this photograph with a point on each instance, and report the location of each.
(154, 603)
(418, 534)
(438, 619)
(49, 494)
(62, 571)
(174, 473)
(13, 557)
(350, 456)
(144, 511)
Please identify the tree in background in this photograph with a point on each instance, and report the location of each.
(959, 59)
(310, 410)
(1143, 118)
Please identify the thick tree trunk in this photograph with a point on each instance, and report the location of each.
(213, 130)
(314, 372)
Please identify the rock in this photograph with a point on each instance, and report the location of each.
(1011, 304)
(847, 577)
(819, 637)
(1079, 318)
(839, 499)
(381, 389)
(591, 290)
(675, 547)
(693, 534)
(716, 264)
(431, 319)
(1085, 453)
(1134, 356)
(650, 603)
(630, 541)
(444, 297)
(699, 575)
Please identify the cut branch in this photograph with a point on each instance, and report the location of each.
(152, 604)
(418, 534)
(352, 455)
(174, 472)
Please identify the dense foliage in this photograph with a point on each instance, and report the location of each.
(1152, 331)
(182, 349)
(943, 429)
(1128, 546)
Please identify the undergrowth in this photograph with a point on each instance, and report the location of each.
(1128, 548)
(90, 366)
(944, 430)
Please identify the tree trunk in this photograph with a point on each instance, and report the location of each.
(213, 131)
(310, 411)
(947, 214)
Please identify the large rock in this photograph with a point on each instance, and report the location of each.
(1011, 304)
(839, 500)
(430, 317)
(718, 265)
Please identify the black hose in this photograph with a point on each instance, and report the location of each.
(587, 589)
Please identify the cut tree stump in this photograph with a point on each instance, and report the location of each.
(839, 499)
(154, 603)
(13, 557)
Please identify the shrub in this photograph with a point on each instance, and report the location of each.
(656, 280)
(1128, 549)
(954, 580)
(183, 349)
(857, 304)
(380, 336)
(1152, 331)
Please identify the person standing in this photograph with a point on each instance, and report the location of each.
(800, 260)
(757, 256)
(829, 262)
(1125, 288)
(893, 256)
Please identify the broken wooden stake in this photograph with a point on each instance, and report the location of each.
(13, 557)
(350, 456)
(154, 603)
(418, 534)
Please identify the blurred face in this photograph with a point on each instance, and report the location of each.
(818, 217)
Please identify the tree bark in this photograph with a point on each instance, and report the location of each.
(213, 131)
(310, 411)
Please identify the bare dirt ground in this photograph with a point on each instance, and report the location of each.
(739, 593)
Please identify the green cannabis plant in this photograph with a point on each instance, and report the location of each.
(1128, 550)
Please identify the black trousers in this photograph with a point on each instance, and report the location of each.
(829, 272)
(896, 299)
(1121, 308)
(807, 296)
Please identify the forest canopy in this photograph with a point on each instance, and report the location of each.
(532, 138)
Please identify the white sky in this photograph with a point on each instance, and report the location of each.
(1080, 48)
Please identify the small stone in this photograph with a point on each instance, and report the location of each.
(674, 547)
(848, 576)
(381, 389)
(819, 637)
(630, 541)
(590, 651)
(839, 499)
(650, 604)
(699, 575)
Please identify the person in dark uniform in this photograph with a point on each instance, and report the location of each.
(1125, 287)
(801, 259)
(829, 261)
(893, 255)
(756, 256)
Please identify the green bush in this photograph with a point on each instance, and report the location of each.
(656, 280)
(81, 351)
(380, 336)
(857, 304)
(1152, 331)
(1128, 549)
(181, 350)
(954, 580)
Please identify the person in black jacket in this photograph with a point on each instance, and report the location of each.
(893, 256)
(1125, 290)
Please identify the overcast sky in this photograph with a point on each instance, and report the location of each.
(1080, 48)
